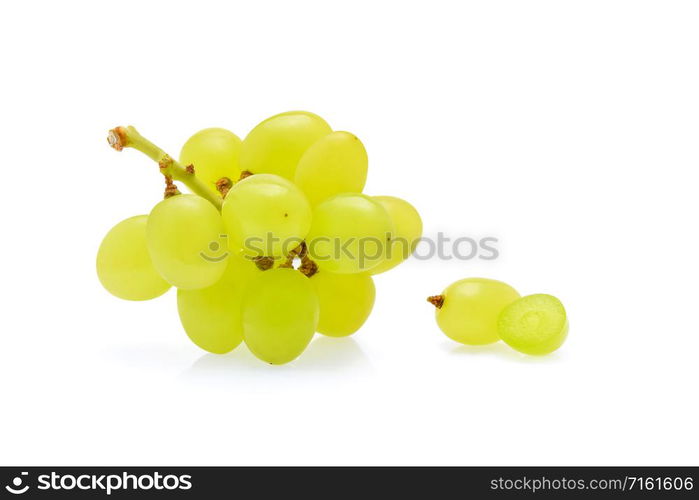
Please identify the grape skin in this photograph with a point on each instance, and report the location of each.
(336, 163)
(346, 300)
(471, 307)
(354, 222)
(185, 243)
(407, 231)
(124, 266)
(275, 145)
(211, 316)
(536, 324)
(214, 153)
(263, 205)
(280, 315)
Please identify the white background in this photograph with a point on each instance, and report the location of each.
(568, 130)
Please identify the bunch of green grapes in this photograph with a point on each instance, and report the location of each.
(275, 243)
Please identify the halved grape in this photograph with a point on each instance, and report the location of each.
(535, 324)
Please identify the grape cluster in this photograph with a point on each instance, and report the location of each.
(479, 311)
(275, 243)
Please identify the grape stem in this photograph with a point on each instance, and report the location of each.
(170, 188)
(436, 300)
(264, 263)
(308, 266)
(223, 185)
(128, 137)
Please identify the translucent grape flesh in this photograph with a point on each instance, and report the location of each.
(266, 215)
(124, 266)
(471, 307)
(345, 300)
(349, 233)
(336, 163)
(280, 315)
(212, 316)
(214, 153)
(407, 231)
(185, 240)
(535, 324)
(276, 145)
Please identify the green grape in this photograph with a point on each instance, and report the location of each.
(535, 324)
(336, 163)
(212, 316)
(345, 300)
(280, 315)
(407, 231)
(276, 145)
(214, 152)
(124, 266)
(266, 215)
(185, 239)
(468, 310)
(349, 233)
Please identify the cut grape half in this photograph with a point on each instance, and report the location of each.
(535, 324)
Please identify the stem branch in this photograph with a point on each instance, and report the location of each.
(128, 137)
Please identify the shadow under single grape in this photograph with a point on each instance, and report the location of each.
(498, 349)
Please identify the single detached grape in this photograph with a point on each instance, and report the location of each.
(124, 266)
(336, 163)
(468, 310)
(407, 231)
(266, 215)
(276, 145)
(535, 324)
(212, 316)
(214, 153)
(184, 235)
(349, 233)
(346, 301)
(280, 315)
